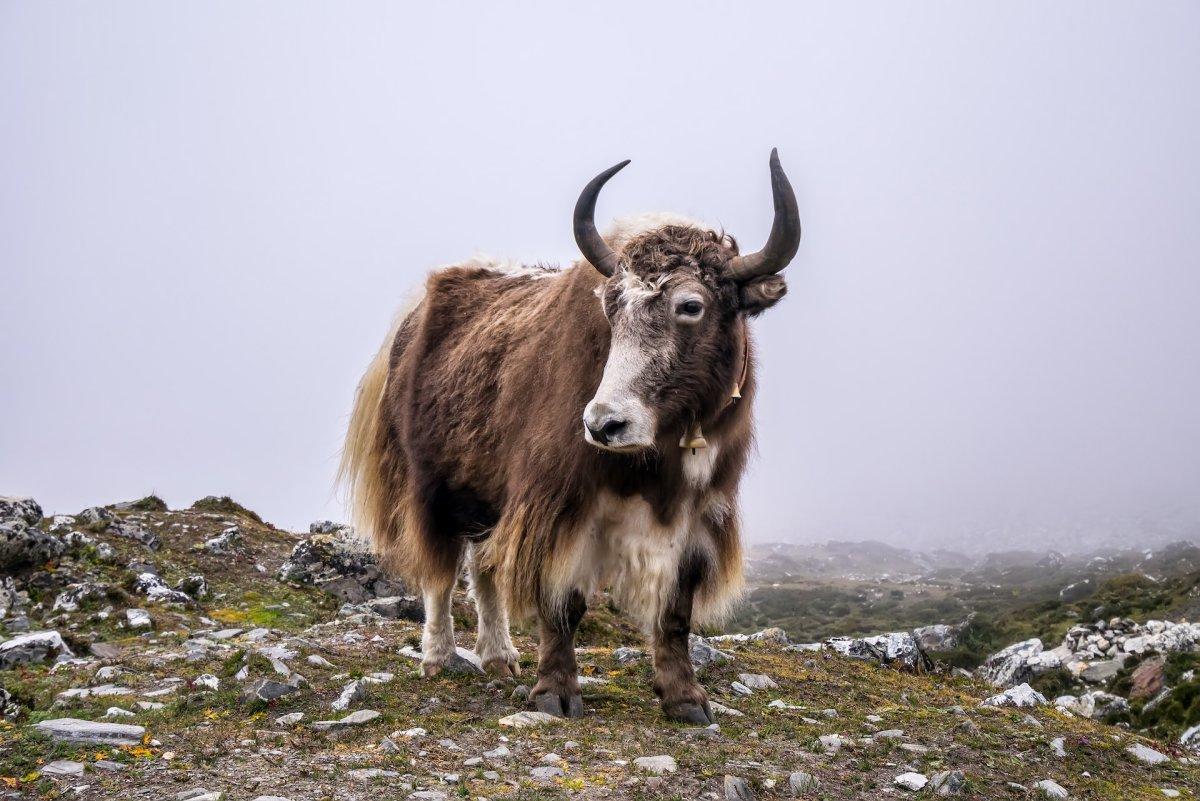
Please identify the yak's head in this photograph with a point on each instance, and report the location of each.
(676, 297)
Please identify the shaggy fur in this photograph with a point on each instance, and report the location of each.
(466, 435)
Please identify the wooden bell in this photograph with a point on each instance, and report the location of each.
(694, 438)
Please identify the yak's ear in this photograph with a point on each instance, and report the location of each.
(762, 293)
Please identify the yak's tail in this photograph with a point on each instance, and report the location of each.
(374, 470)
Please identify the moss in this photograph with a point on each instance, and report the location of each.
(150, 503)
(225, 505)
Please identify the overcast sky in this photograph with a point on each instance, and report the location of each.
(208, 213)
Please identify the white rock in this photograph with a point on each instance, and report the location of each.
(741, 689)
(1020, 696)
(73, 730)
(31, 647)
(658, 765)
(525, 719)
(1059, 746)
(499, 752)
(290, 719)
(63, 767)
(1051, 789)
(353, 719)
(118, 712)
(911, 781)
(758, 681)
(1146, 754)
(207, 681)
(546, 773)
(138, 619)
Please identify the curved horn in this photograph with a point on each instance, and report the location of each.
(785, 232)
(591, 244)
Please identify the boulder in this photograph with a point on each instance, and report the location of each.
(9, 708)
(938, 637)
(1147, 678)
(26, 510)
(156, 590)
(774, 635)
(338, 562)
(32, 648)
(22, 545)
(1018, 663)
(1020, 697)
(898, 649)
(1101, 672)
(73, 730)
(704, 654)
(74, 596)
(396, 607)
(1098, 705)
(127, 529)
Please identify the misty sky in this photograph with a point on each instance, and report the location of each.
(208, 213)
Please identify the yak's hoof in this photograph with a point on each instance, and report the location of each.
(452, 665)
(689, 712)
(502, 668)
(552, 704)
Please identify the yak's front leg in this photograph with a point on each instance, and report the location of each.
(557, 688)
(681, 696)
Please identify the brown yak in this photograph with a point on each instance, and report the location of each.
(563, 431)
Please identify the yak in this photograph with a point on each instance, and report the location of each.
(562, 431)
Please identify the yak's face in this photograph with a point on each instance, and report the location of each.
(677, 337)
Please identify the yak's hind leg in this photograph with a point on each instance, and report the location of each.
(681, 696)
(557, 688)
(438, 650)
(493, 643)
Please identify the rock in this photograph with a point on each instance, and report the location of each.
(1018, 663)
(206, 681)
(736, 789)
(721, 709)
(741, 689)
(628, 656)
(546, 773)
(73, 730)
(21, 545)
(658, 765)
(1020, 697)
(428, 795)
(1049, 788)
(270, 798)
(25, 510)
(1098, 705)
(1147, 755)
(9, 708)
(938, 637)
(1059, 746)
(911, 781)
(270, 690)
(831, 743)
(773, 635)
(32, 648)
(337, 561)
(95, 514)
(156, 590)
(353, 719)
(132, 531)
(703, 654)
(897, 649)
(352, 692)
(63, 767)
(499, 752)
(138, 619)
(74, 596)
(758, 681)
(290, 719)
(948, 782)
(801, 783)
(1147, 678)
(525, 719)
(1100, 672)
(396, 607)
(227, 542)
(1191, 738)
(195, 586)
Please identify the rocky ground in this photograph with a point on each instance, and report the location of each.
(203, 654)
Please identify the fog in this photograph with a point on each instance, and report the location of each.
(209, 212)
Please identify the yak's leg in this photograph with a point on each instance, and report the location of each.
(557, 688)
(493, 643)
(682, 698)
(438, 650)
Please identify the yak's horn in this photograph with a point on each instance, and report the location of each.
(785, 232)
(591, 244)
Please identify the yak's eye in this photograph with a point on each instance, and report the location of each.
(690, 309)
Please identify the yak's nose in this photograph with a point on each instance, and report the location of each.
(603, 422)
